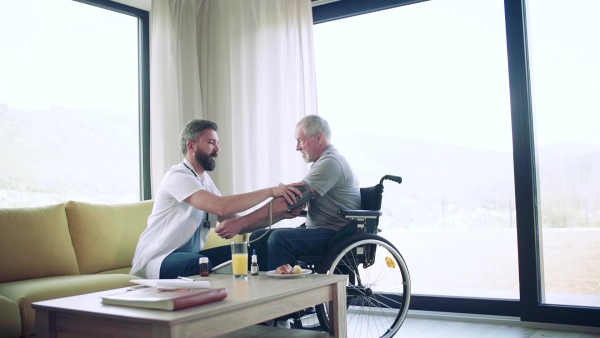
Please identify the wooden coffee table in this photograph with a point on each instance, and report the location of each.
(249, 302)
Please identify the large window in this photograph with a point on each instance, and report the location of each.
(489, 111)
(565, 69)
(421, 92)
(69, 104)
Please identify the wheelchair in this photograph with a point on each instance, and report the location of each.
(378, 287)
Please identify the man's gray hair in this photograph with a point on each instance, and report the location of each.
(193, 130)
(314, 124)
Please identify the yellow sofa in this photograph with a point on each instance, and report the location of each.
(64, 250)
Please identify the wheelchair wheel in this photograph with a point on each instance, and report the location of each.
(308, 321)
(378, 288)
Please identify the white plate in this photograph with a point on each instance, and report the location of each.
(272, 273)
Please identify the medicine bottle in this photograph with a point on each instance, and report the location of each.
(254, 265)
(204, 266)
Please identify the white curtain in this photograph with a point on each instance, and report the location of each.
(247, 65)
(174, 82)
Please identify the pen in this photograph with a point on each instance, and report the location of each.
(185, 278)
(168, 288)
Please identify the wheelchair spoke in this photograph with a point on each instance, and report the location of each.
(378, 287)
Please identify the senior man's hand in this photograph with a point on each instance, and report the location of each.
(228, 228)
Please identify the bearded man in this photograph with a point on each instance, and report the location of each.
(178, 226)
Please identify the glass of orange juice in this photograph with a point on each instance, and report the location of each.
(239, 259)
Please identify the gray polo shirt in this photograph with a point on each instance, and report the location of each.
(334, 180)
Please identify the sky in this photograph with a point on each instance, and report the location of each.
(432, 67)
(422, 68)
(48, 46)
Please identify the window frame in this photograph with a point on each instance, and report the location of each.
(143, 86)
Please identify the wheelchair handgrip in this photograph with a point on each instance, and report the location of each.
(396, 179)
(359, 213)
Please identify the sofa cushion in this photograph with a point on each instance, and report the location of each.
(10, 320)
(35, 242)
(213, 240)
(121, 271)
(26, 292)
(105, 236)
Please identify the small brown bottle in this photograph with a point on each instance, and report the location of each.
(203, 266)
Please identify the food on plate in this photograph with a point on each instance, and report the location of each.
(287, 269)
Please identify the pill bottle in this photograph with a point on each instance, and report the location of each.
(204, 266)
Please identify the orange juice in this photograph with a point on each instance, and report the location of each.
(239, 263)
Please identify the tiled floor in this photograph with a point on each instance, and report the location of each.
(423, 326)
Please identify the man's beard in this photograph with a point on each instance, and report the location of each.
(306, 158)
(207, 162)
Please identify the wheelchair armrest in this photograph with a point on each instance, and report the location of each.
(347, 213)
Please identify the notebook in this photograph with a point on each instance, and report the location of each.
(151, 298)
(176, 283)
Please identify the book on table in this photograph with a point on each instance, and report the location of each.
(165, 300)
(173, 283)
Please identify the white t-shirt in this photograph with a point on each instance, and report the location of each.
(172, 221)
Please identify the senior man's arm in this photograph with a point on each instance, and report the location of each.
(257, 219)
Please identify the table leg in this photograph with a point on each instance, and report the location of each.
(338, 310)
(45, 324)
